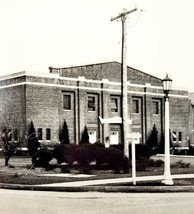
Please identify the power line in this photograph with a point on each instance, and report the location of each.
(138, 19)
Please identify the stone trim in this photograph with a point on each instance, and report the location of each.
(91, 88)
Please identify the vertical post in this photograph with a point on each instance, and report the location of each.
(133, 162)
(167, 175)
(125, 125)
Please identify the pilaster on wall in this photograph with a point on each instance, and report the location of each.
(147, 115)
(105, 109)
(81, 107)
(130, 107)
(150, 118)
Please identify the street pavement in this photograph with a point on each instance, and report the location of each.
(41, 202)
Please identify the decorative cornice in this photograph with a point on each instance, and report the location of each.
(92, 88)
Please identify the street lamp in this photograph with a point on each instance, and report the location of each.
(167, 84)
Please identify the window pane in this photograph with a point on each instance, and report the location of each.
(174, 136)
(114, 137)
(114, 105)
(180, 136)
(15, 134)
(92, 136)
(67, 102)
(39, 133)
(91, 103)
(155, 106)
(48, 134)
(136, 106)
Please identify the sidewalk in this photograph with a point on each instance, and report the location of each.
(103, 181)
(105, 185)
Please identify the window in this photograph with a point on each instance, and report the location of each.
(48, 134)
(174, 136)
(155, 106)
(114, 137)
(10, 135)
(15, 134)
(67, 102)
(39, 133)
(92, 136)
(180, 136)
(91, 103)
(114, 104)
(136, 106)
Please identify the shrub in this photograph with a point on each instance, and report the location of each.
(33, 143)
(110, 156)
(119, 146)
(16, 175)
(153, 138)
(141, 150)
(63, 153)
(64, 134)
(191, 150)
(85, 137)
(156, 163)
(84, 154)
(142, 163)
(42, 158)
(181, 164)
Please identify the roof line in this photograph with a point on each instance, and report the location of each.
(76, 66)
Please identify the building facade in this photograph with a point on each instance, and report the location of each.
(80, 95)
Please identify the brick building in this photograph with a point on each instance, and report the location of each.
(81, 94)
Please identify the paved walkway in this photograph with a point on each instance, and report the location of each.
(100, 185)
(114, 181)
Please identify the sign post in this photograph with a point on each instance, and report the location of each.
(134, 138)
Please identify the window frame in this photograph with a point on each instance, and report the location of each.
(116, 137)
(91, 101)
(15, 135)
(180, 137)
(155, 107)
(48, 133)
(92, 132)
(114, 109)
(174, 139)
(40, 134)
(135, 106)
(67, 102)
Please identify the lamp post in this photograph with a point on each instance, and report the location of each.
(167, 84)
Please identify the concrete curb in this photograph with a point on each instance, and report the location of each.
(124, 189)
(108, 185)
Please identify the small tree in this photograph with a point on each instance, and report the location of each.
(11, 135)
(64, 134)
(33, 143)
(161, 145)
(85, 137)
(9, 145)
(153, 139)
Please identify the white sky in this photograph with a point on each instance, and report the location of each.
(36, 34)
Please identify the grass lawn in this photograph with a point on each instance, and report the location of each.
(18, 173)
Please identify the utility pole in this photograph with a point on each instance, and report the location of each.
(125, 126)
